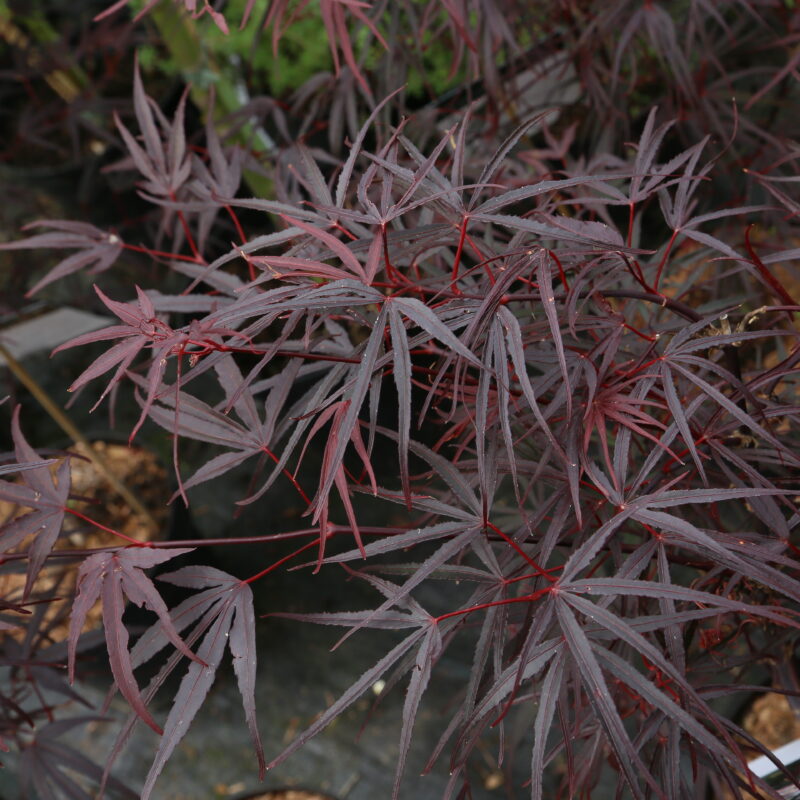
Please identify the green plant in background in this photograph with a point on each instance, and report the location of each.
(221, 57)
(211, 56)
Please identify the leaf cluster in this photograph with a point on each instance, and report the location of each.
(566, 375)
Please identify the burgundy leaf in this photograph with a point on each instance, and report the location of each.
(191, 693)
(427, 654)
(599, 696)
(227, 605)
(51, 766)
(47, 499)
(98, 250)
(351, 695)
(544, 717)
(242, 642)
(109, 576)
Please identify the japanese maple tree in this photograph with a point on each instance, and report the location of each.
(572, 328)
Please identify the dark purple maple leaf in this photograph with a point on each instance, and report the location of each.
(189, 417)
(50, 767)
(222, 613)
(141, 328)
(610, 406)
(110, 576)
(333, 470)
(96, 248)
(416, 653)
(6, 469)
(45, 497)
(200, 610)
(163, 161)
(218, 178)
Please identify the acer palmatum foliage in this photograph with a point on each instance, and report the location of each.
(583, 362)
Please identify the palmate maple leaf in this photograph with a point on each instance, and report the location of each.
(50, 766)
(111, 576)
(6, 469)
(95, 248)
(609, 406)
(44, 495)
(336, 413)
(416, 653)
(141, 329)
(221, 612)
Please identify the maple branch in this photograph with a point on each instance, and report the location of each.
(687, 312)
(664, 258)
(526, 598)
(457, 260)
(211, 542)
(283, 560)
(99, 525)
(158, 253)
(188, 233)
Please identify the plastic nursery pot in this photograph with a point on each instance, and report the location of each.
(771, 720)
